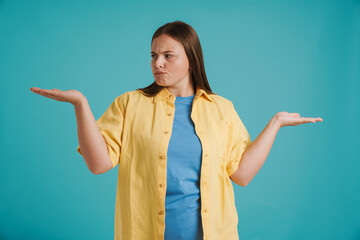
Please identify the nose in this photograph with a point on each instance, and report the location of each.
(159, 63)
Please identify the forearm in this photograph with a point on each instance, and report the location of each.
(92, 144)
(255, 155)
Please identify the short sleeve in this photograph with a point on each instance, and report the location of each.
(110, 125)
(239, 141)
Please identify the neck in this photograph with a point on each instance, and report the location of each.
(182, 91)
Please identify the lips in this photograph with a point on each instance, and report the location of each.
(160, 73)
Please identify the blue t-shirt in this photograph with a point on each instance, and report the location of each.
(182, 203)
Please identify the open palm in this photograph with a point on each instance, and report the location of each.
(293, 119)
(71, 96)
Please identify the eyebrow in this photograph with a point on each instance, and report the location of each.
(163, 51)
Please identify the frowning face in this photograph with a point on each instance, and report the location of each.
(169, 63)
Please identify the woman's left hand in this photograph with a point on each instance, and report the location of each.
(293, 119)
(255, 155)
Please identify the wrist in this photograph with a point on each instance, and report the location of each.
(80, 102)
(275, 122)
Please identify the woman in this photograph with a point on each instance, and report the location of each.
(178, 146)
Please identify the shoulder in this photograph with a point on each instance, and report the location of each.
(132, 98)
(221, 101)
(227, 108)
(129, 95)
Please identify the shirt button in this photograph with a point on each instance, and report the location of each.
(161, 212)
(169, 114)
(205, 210)
(204, 182)
(166, 132)
(205, 154)
(161, 185)
(162, 156)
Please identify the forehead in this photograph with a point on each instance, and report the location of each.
(165, 43)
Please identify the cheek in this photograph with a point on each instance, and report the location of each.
(181, 66)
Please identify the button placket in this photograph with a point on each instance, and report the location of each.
(204, 166)
(165, 131)
(163, 156)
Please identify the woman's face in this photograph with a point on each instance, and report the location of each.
(168, 56)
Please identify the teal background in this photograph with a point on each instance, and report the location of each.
(264, 56)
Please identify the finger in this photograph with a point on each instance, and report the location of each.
(34, 89)
(41, 91)
(313, 119)
(52, 96)
(47, 93)
(318, 119)
(37, 90)
(306, 119)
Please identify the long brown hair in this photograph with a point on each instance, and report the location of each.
(187, 36)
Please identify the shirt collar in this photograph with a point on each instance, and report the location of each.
(164, 94)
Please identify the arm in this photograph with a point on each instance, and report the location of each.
(92, 144)
(256, 154)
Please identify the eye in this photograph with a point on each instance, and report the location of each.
(166, 55)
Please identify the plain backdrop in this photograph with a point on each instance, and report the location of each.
(264, 56)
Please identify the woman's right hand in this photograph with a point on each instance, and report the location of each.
(72, 96)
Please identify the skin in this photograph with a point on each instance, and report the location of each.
(255, 155)
(71, 96)
(178, 81)
(175, 64)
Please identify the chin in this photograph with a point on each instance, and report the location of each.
(161, 83)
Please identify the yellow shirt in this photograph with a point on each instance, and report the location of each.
(137, 131)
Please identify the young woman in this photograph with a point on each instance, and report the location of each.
(178, 146)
